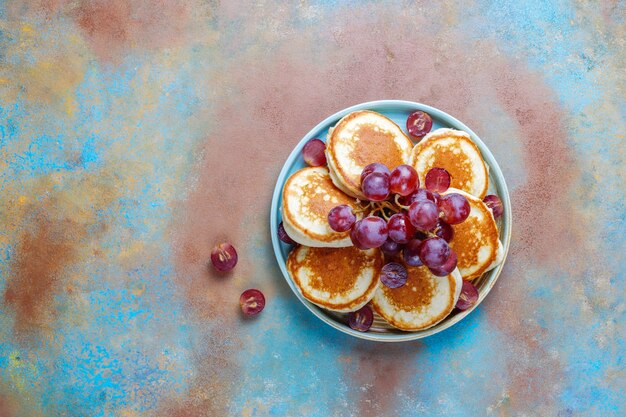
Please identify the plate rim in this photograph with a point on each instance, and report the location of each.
(500, 185)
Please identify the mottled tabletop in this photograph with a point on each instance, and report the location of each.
(135, 135)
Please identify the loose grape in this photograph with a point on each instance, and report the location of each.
(224, 257)
(314, 153)
(361, 319)
(495, 204)
(468, 297)
(252, 302)
(282, 235)
(437, 180)
(393, 275)
(419, 123)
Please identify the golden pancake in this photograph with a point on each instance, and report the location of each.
(422, 302)
(338, 279)
(359, 139)
(476, 240)
(308, 196)
(454, 151)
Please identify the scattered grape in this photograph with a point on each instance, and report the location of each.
(393, 275)
(314, 153)
(282, 235)
(495, 204)
(419, 123)
(224, 257)
(437, 180)
(361, 319)
(341, 218)
(252, 302)
(468, 297)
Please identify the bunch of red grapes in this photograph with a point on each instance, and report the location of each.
(413, 221)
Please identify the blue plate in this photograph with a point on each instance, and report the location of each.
(398, 111)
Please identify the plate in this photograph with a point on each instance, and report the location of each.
(398, 111)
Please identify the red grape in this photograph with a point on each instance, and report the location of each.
(495, 204)
(391, 248)
(437, 180)
(455, 208)
(376, 186)
(400, 228)
(282, 235)
(361, 319)
(447, 267)
(404, 180)
(393, 275)
(411, 253)
(422, 194)
(375, 167)
(419, 123)
(444, 231)
(224, 257)
(353, 237)
(423, 214)
(313, 153)
(468, 297)
(371, 232)
(341, 218)
(434, 252)
(252, 302)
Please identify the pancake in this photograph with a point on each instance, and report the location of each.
(308, 196)
(359, 139)
(454, 151)
(422, 302)
(338, 279)
(475, 240)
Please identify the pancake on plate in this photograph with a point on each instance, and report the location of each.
(454, 151)
(422, 302)
(308, 196)
(338, 279)
(476, 240)
(359, 139)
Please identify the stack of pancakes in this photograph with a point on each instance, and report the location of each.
(335, 275)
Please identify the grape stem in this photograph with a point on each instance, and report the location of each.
(396, 198)
(362, 208)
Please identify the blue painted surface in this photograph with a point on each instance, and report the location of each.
(134, 137)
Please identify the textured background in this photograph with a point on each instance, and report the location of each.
(134, 135)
